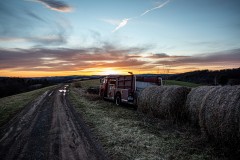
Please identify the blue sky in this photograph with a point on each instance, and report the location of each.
(142, 35)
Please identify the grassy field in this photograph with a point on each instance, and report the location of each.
(126, 134)
(87, 83)
(11, 105)
(180, 83)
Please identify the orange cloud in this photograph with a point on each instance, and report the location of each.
(86, 61)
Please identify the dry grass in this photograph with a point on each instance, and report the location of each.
(93, 90)
(92, 97)
(220, 115)
(164, 101)
(90, 83)
(77, 84)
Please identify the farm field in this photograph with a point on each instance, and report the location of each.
(11, 105)
(180, 83)
(88, 83)
(83, 126)
(126, 134)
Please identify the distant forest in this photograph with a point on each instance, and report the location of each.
(11, 86)
(207, 77)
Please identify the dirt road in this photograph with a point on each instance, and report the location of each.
(48, 128)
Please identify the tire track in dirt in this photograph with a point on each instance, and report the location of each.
(16, 134)
(49, 128)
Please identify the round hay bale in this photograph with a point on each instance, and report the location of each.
(164, 101)
(142, 101)
(193, 103)
(220, 115)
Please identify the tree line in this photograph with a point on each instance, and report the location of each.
(208, 77)
(10, 86)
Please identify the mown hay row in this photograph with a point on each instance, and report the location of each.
(219, 115)
(194, 101)
(163, 101)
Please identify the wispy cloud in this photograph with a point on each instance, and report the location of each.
(217, 59)
(112, 21)
(12, 39)
(126, 20)
(65, 59)
(56, 5)
(57, 34)
(33, 15)
(164, 56)
(54, 39)
(50, 40)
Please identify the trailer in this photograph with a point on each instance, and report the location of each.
(126, 88)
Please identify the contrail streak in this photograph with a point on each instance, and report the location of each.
(122, 24)
(160, 6)
(125, 21)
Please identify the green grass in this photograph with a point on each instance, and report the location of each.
(90, 83)
(126, 134)
(180, 83)
(11, 105)
(87, 83)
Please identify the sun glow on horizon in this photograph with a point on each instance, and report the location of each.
(45, 72)
(110, 72)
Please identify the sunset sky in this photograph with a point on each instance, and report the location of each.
(89, 37)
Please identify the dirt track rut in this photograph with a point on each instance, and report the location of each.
(49, 128)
